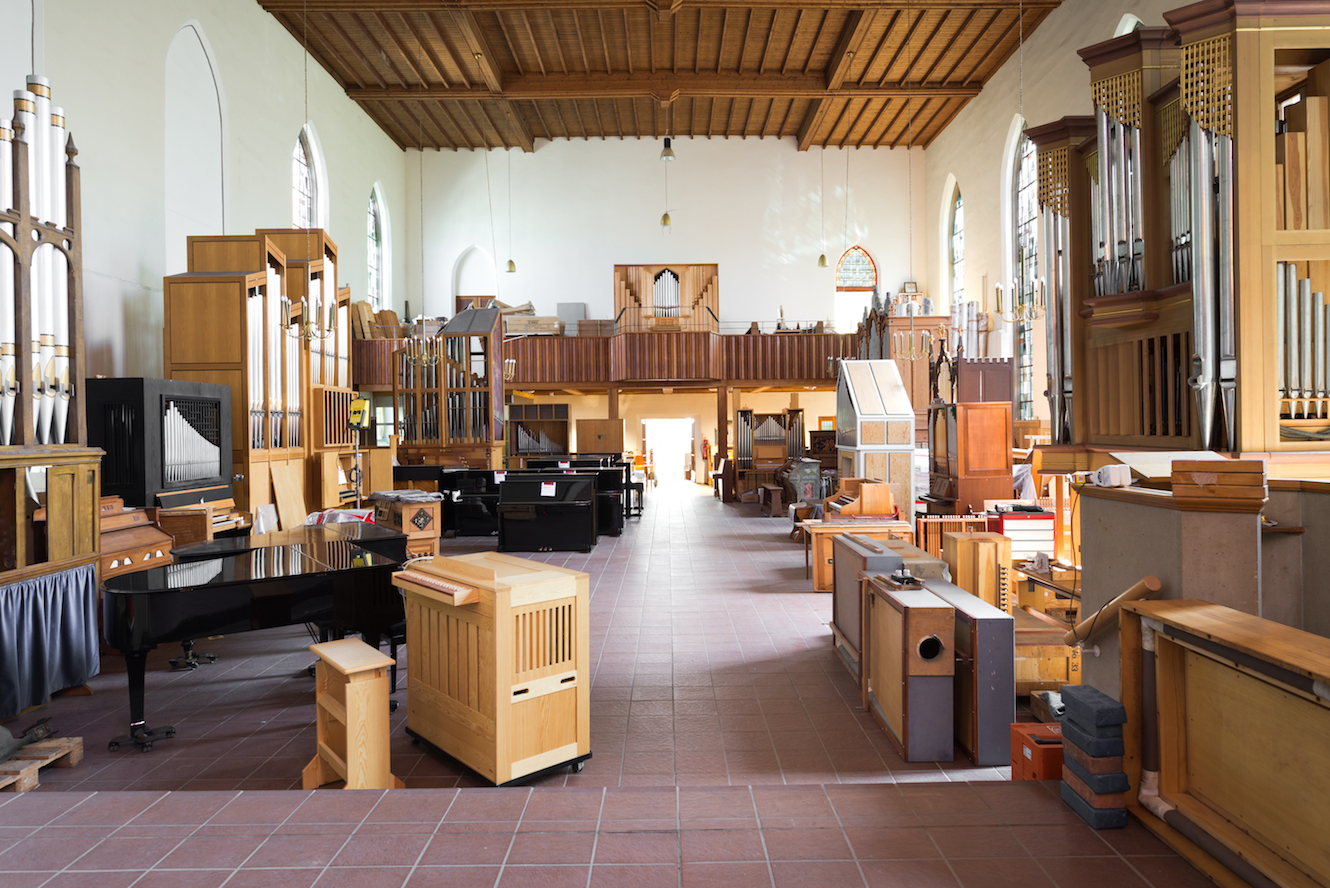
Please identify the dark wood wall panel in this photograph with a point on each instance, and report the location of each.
(583, 360)
(665, 356)
(783, 356)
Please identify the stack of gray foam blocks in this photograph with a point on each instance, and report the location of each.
(1093, 782)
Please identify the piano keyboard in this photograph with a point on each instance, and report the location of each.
(458, 592)
(841, 502)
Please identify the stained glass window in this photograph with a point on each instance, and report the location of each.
(374, 252)
(1025, 203)
(958, 251)
(856, 270)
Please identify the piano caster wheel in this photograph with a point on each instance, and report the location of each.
(392, 705)
(170, 732)
(112, 746)
(578, 766)
(310, 670)
(146, 747)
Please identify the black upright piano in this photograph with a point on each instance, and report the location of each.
(612, 479)
(547, 512)
(326, 580)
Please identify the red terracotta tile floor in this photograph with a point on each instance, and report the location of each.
(728, 748)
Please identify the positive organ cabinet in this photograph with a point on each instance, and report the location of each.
(498, 662)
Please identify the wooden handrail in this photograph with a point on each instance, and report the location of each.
(1108, 614)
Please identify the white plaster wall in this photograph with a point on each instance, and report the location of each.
(580, 207)
(975, 149)
(107, 65)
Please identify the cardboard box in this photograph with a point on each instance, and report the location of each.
(418, 521)
(1036, 751)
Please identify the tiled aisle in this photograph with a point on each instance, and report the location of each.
(983, 835)
(713, 680)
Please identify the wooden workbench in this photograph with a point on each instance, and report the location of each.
(818, 535)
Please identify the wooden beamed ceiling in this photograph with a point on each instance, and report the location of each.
(503, 73)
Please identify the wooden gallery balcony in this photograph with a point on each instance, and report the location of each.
(557, 362)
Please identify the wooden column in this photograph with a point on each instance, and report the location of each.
(614, 402)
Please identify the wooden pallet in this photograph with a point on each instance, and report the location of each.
(19, 774)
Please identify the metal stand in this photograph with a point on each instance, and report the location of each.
(191, 659)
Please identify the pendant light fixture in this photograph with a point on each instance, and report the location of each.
(821, 204)
(666, 155)
(512, 266)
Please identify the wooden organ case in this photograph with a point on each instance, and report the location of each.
(1138, 319)
(325, 329)
(227, 322)
(448, 393)
(46, 464)
(660, 297)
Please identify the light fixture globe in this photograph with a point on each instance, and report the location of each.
(512, 266)
(667, 154)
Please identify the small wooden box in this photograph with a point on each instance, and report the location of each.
(1036, 751)
(980, 563)
(498, 653)
(419, 521)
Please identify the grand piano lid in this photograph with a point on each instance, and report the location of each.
(355, 531)
(267, 563)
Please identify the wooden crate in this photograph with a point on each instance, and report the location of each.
(498, 662)
(1043, 662)
(530, 325)
(419, 521)
(980, 564)
(19, 774)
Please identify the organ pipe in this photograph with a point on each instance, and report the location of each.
(8, 353)
(57, 367)
(1204, 364)
(1302, 354)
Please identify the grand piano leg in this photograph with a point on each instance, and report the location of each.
(139, 734)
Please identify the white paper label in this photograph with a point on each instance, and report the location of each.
(1028, 753)
(499, 476)
(563, 463)
(547, 488)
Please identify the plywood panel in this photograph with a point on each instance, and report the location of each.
(874, 432)
(288, 485)
(888, 660)
(207, 325)
(1233, 717)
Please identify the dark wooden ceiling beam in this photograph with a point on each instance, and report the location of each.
(604, 41)
(416, 27)
(997, 45)
(355, 48)
(417, 70)
(518, 126)
(581, 43)
(794, 38)
(950, 43)
(946, 120)
(670, 87)
(911, 27)
(881, 45)
(443, 34)
(920, 55)
(766, 47)
(429, 108)
(508, 41)
(341, 71)
(387, 59)
(812, 123)
(852, 37)
(558, 44)
(452, 121)
(817, 38)
(490, 72)
(535, 47)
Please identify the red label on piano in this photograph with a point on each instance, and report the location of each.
(563, 464)
(499, 476)
(547, 488)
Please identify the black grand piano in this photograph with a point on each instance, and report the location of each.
(325, 579)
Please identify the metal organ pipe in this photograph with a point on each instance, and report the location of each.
(57, 375)
(1204, 378)
(8, 352)
(1228, 343)
(43, 287)
(254, 337)
(1281, 329)
(1051, 266)
(25, 128)
(1137, 210)
(1105, 204)
(276, 324)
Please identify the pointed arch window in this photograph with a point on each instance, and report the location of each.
(1025, 204)
(856, 271)
(957, 250)
(374, 251)
(304, 186)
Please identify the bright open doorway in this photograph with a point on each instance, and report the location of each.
(668, 444)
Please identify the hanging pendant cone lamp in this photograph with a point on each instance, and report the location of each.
(822, 261)
(512, 266)
(665, 220)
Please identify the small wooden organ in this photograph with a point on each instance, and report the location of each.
(45, 460)
(651, 298)
(859, 496)
(969, 454)
(498, 653)
(448, 393)
(875, 427)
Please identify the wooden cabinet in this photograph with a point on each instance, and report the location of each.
(823, 558)
(980, 564)
(537, 430)
(600, 436)
(499, 662)
(969, 457)
(232, 327)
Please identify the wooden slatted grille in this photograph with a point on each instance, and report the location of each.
(447, 654)
(337, 418)
(1141, 388)
(1054, 182)
(544, 641)
(1119, 97)
(1207, 83)
(1173, 123)
(930, 529)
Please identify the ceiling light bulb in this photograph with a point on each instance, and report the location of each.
(668, 153)
(512, 266)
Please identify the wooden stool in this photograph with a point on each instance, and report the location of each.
(352, 688)
(770, 495)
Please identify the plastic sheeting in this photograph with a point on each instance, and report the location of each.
(50, 637)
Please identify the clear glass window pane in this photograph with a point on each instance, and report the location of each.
(303, 191)
(374, 253)
(1026, 206)
(958, 251)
